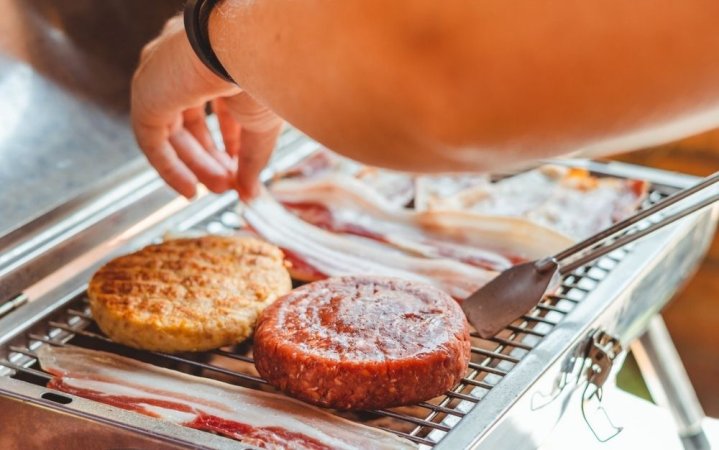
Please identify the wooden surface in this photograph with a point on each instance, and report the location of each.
(693, 316)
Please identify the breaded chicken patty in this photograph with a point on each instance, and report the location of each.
(188, 294)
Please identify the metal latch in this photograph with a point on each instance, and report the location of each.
(592, 362)
(570, 374)
(11, 304)
(601, 351)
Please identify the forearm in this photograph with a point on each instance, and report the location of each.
(424, 85)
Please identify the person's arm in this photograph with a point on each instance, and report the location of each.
(430, 85)
(170, 90)
(476, 84)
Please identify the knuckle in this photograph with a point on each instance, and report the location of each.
(193, 117)
(146, 137)
(166, 167)
(146, 143)
(260, 121)
(252, 115)
(147, 50)
(172, 24)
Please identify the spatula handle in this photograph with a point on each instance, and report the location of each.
(565, 268)
(643, 214)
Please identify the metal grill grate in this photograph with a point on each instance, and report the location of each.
(425, 423)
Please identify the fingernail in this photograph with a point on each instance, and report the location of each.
(190, 193)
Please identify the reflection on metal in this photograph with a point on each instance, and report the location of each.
(75, 425)
(602, 350)
(669, 383)
(15, 86)
(569, 377)
(11, 304)
(71, 228)
(65, 70)
(590, 365)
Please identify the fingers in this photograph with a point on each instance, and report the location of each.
(175, 173)
(209, 171)
(169, 80)
(167, 87)
(255, 151)
(194, 121)
(260, 128)
(229, 127)
(182, 161)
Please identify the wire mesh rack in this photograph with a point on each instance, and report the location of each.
(425, 423)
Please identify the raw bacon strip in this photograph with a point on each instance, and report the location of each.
(571, 201)
(513, 235)
(334, 255)
(430, 188)
(318, 162)
(258, 418)
(512, 196)
(300, 269)
(341, 204)
(406, 237)
(397, 188)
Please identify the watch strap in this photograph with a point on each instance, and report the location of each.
(197, 17)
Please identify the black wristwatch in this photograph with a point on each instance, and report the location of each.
(197, 17)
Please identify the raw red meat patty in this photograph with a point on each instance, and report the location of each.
(363, 343)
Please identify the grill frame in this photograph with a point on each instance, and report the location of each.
(590, 299)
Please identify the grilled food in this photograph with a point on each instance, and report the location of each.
(363, 343)
(188, 294)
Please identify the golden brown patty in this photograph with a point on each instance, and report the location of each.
(188, 294)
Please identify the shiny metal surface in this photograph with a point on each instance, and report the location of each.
(35, 250)
(65, 71)
(41, 423)
(667, 380)
(509, 295)
(523, 410)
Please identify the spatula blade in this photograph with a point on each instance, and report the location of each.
(511, 294)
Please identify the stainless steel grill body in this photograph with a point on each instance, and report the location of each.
(515, 389)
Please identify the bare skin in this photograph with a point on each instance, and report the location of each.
(423, 85)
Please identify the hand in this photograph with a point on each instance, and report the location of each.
(170, 91)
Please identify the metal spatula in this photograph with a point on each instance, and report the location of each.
(516, 290)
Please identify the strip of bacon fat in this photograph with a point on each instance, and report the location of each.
(396, 188)
(257, 418)
(571, 201)
(341, 204)
(333, 254)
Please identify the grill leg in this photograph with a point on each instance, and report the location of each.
(669, 384)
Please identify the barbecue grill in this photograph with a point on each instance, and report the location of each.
(515, 389)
